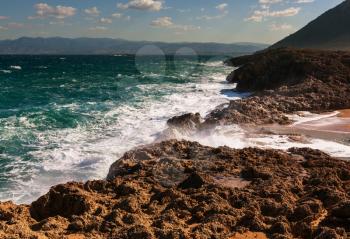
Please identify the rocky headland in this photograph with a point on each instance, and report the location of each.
(180, 189)
(285, 81)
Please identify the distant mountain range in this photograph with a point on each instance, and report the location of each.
(100, 46)
(330, 31)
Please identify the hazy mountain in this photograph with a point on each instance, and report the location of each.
(329, 31)
(58, 45)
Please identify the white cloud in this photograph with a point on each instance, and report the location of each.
(304, 1)
(105, 20)
(184, 10)
(92, 11)
(150, 5)
(269, 1)
(117, 15)
(281, 27)
(222, 7)
(162, 22)
(208, 18)
(259, 15)
(62, 23)
(12, 25)
(98, 28)
(3, 17)
(167, 22)
(289, 12)
(43, 10)
(15, 25)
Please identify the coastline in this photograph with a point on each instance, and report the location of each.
(181, 189)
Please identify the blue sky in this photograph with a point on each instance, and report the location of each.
(228, 21)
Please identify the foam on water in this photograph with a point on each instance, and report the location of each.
(16, 67)
(305, 117)
(6, 71)
(85, 152)
(235, 137)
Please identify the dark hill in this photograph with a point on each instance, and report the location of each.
(331, 30)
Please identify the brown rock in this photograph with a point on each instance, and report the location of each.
(187, 121)
(193, 181)
(285, 81)
(342, 210)
(137, 204)
(62, 200)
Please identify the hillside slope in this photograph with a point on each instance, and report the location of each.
(329, 31)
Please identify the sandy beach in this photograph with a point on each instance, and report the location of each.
(339, 123)
(332, 126)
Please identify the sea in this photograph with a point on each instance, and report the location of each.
(68, 118)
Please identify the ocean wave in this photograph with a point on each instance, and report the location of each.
(235, 137)
(97, 137)
(86, 151)
(16, 67)
(6, 71)
(213, 63)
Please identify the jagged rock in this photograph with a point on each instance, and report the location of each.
(285, 81)
(63, 200)
(187, 121)
(342, 210)
(193, 181)
(328, 233)
(280, 228)
(282, 200)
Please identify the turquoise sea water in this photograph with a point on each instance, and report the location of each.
(66, 118)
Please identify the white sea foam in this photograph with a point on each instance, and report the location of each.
(305, 117)
(16, 67)
(235, 137)
(6, 71)
(86, 152)
(212, 63)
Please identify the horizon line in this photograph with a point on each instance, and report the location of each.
(151, 41)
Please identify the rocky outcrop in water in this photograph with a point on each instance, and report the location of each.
(187, 121)
(180, 189)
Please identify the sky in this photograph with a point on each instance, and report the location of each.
(226, 21)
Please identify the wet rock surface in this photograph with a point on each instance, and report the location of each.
(187, 121)
(285, 81)
(171, 190)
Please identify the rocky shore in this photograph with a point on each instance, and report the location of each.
(285, 81)
(180, 189)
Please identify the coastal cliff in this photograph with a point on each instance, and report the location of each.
(181, 189)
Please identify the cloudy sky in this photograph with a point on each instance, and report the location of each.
(264, 21)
